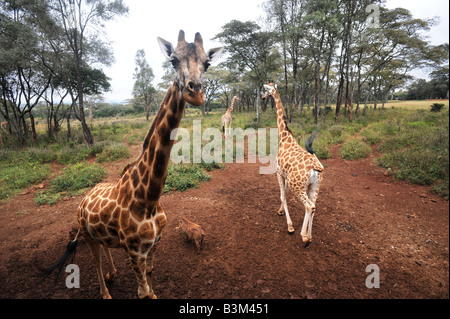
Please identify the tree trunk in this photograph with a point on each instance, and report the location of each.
(69, 132)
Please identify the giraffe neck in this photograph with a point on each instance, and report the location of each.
(149, 172)
(281, 119)
(232, 104)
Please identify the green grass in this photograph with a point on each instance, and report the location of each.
(73, 181)
(181, 177)
(419, 153)
(113, 152)
(413, 142)
(78, 176)
(16, 177)
(354, 149)
(72, 155)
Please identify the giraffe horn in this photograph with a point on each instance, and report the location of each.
(181, 37)
(198, 39)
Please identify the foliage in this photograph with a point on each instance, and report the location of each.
(437, 107)
(354, 149)
(73, 154)
(78, 176)
(113, 152)
(182, 177)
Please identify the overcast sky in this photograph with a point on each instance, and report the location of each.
(148, 20)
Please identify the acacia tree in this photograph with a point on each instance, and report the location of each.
(82, 25)
(143, 75)
(23, 80)
(251, 54)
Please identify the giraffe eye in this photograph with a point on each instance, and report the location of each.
(174, 62)
(207, 65)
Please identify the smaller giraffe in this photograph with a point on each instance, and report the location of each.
(227, 118)
(298, 170)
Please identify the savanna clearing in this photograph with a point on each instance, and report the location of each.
(384, 202)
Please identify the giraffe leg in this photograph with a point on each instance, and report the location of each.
(95, 248)
(139, 264)
(282, 191)
(313, 193)
(112, 270)
(309, 212)
(149, 271)
(283, 188)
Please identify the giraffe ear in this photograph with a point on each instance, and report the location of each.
(166, 47)
(214, 54)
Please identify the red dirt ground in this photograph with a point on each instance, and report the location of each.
(363, 217)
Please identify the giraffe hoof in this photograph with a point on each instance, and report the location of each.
(280, 212)
(306, 242)
(290, 230)
(107, 296)
(110, 278)
(149, 295)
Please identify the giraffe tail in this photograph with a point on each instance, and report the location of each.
(309, 143)
(70, 251)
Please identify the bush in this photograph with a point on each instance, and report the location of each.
(40, 155)
(354, 149)
(78, 176)
(182, 177)
(417, 165)
(371, 136)
(436, 107)
(46, 197)
(72, 155)
(21, 176)
(113, 152)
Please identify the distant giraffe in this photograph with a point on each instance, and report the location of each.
(297, 169)
(128, 213)
(227, 118)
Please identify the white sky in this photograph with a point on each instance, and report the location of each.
(148, 20)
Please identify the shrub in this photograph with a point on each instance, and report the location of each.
(40, 155)
(46, 197)
(72, 155)
(182, 177)
(354, 149)
(371, 136)
(211, 166)
(113, 152)
(436, 107)
(21, 176)
(78, 176)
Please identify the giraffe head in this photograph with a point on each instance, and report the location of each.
(269, 88)
(190, 62)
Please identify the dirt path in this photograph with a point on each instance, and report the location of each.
(363, 217)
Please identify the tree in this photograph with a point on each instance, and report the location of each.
(213, 85)
(143, 75)
(251, 54)
(82, 24)
(23, 80)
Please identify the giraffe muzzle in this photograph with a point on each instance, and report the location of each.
(193, 93)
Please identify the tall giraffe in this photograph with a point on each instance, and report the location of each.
(297, 169)
(128, 213)
(227, 117)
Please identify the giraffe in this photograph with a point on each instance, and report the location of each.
(227, 117)
(298, 170)
(127, 214)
